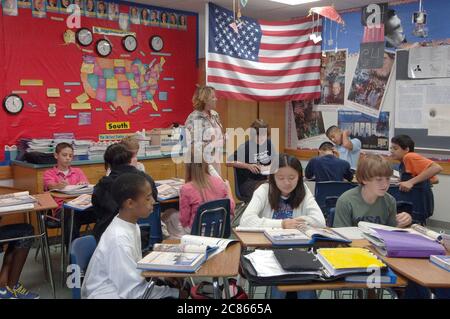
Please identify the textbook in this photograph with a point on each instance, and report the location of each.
(169, 188)
(368, 228)
(18, 198)
(387, 277)
(340, 261)
(187, 256)
(16, 207)
(82, 202)
(76, 189)
(441, 261)
(305, 235)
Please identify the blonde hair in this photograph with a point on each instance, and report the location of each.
(131, 143)
(198, 174)
(201, 96)
(371, 166)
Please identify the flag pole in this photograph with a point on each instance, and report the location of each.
(206, 40)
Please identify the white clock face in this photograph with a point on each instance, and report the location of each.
(85, 37)
(104, 47)
(157, 43)
(130, 43)
(13, 104)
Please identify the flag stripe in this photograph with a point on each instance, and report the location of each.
(265, 78)
(249, 97)
(264, 86)
(262, 66)
(264, 92)
(289, 53)
(287, 46)
(284, 40)
(285, 23)
(297, 26)
(292, 33)
(308, 57)
(257, 72)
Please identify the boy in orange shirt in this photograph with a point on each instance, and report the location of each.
(421, 168)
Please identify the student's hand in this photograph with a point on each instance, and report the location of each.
(291, 223)
(82, 183)
(60, 185)
(254, 168)
(405, 186)
(403, 220)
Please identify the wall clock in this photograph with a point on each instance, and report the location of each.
(13, 104)
(156, 43)
(103, 47)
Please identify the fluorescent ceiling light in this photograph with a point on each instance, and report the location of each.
(294, 2)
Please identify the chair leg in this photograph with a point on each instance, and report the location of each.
(226, 287)
(216, 288)
(38, 249)
(149, 289)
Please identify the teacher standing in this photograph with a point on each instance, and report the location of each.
(205, 127)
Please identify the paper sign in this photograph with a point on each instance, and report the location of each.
(82, 98)
(81, 106)
(119, 62)
(87, 68)
(112, 84)
(53, 93)
(113, 126)
(29, 82)
(133, 85)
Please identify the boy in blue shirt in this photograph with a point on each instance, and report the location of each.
(327, 167)
(349, 149)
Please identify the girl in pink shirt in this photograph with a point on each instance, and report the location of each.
(200, 187)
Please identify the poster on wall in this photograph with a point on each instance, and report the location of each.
(332, 79)
(308, 122)
(369, 86)
(371, 131)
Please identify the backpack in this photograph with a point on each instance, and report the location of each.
(204, 290)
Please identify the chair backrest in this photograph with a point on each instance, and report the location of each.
(213, 219)
(330, 204)
(236, 186)
(80, 254)
(329, 189)
(421, 198)
(153, 221)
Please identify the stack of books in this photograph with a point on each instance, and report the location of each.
(97, 149)
(40, 145)
(187, 256)
(81, 148)
(414, 242)
(169, 188)
(16, 201)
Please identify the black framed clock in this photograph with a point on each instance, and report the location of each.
(156, 43)
(84, 37)
(103, 47)
(129, 43)
(13, 104)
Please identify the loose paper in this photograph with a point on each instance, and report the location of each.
(51, 92)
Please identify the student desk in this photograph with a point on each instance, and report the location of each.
(419, 270)
(225, 264)
(44, 203)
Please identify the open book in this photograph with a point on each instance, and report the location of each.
(76, 189)
(187, 256)
(82, 202)
(169, 188)
(18, 198)
(306, 235)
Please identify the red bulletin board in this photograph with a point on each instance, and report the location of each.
(33, 48)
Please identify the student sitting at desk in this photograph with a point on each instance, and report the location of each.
(14, 260)
(118, 158)
(421, 168)
(370, 201)
(348, 148)
(132, 144)
(58, 177)
(252, 157)
(200, 187)
(112, 272)
(327, 166)
(284, 202)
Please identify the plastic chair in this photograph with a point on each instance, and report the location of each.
(236, 188)
(81, 252)
(153, 221)
(213, 219)
(330, 204)
(330, 189)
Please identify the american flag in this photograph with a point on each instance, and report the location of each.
(264, 61)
